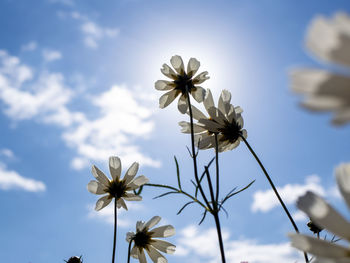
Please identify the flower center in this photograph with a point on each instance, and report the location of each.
(117, 189)
(142, 239)
(182, 81)
(231, 131)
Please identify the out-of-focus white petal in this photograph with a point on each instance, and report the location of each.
(322, 103)
(115, 167)
(342, 174)
(103, 202)
(168, 98)
(164, 246)
(152, 222)
(167, 71)
(132, 197)
(318, 247)
(96, 188)
(100, 176)
(156, 256)
(192, 67)
(163, 231)
(178, 64)
(324, 215)
(198, 93)
(182, 104)
(137, 182)
(199, 79)
(208, 100)
(163, 85)
(121, 203)
(342, 116)
(131, 172)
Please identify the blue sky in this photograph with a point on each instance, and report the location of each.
(77, 85)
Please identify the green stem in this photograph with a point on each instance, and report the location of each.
(129, 249)
(115, 228)
(274, 189)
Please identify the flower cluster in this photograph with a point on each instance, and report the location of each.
(328, 218)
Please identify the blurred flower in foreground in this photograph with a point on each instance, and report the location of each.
(225, 121)
(328, 39)
(116, 188)
(322, 214)
(181, 80)
(143, 239)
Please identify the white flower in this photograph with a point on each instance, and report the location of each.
(116, 188)
(225, 121)
(326, 217)
(181, 80)
(144, 240)
(328, 39)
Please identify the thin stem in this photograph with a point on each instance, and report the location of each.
(217, 167)
(215, 207)
(274, 189)
(115, 228)
(218, 229)
(129, 249)
(194, 156)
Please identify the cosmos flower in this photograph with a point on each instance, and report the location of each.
(118, 188)
(179, 81)
(144, 240)
(225, 121)
(328, 218)
(329, 40)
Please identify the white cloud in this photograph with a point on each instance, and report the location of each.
(107, 214)
(7, 153)
(196, 245)
(51, 55)
(31, 46)
(121, 118)
(10, 180)
(264, 201)
(63, 2)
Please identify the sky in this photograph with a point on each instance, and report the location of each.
(77, 86)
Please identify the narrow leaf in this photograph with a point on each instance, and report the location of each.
(178, 173)
(184, 207)
(167, 193)
(204, 214)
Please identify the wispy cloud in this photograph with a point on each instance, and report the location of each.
(92, 32)
(63, 2)
(198, 245)
(7, 153)
(31, 46)
(121, 120)
(51, 55)
(10, 180)
(264, 201)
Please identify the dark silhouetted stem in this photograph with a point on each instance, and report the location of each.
(218, 229)
(115, 228)
(217, 168)
(129, 249)
(274, 189)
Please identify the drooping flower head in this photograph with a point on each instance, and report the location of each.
(325, 216)
(144, 240)
(328, 40)
(118, 188)
(181, 82)
(225, 121)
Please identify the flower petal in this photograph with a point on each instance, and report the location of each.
(152, 222)
(217, 115)
(198, 93)
(131, 172)
(178, 64)
(137, 182)
(200, 78)
(322, 103)
(140, 225)
(209, 125)
(115, 167)
(141, 255)
(182, 104)
(163, 231)
(208, 100)
(156, 256)
(205, 142)
(129, 236)
(224, 102)
(121, 203)
(164, 85)
(164, 246)
(103, 202)
(192, 67)
(342, 174)
(133, 252)
(318, 247)
(167, 71)
(168, 98)
(186, 127)
(341, 117)
(196, 113)
(132, 197)
(96, 188)
(324, 215)
(100, 176)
